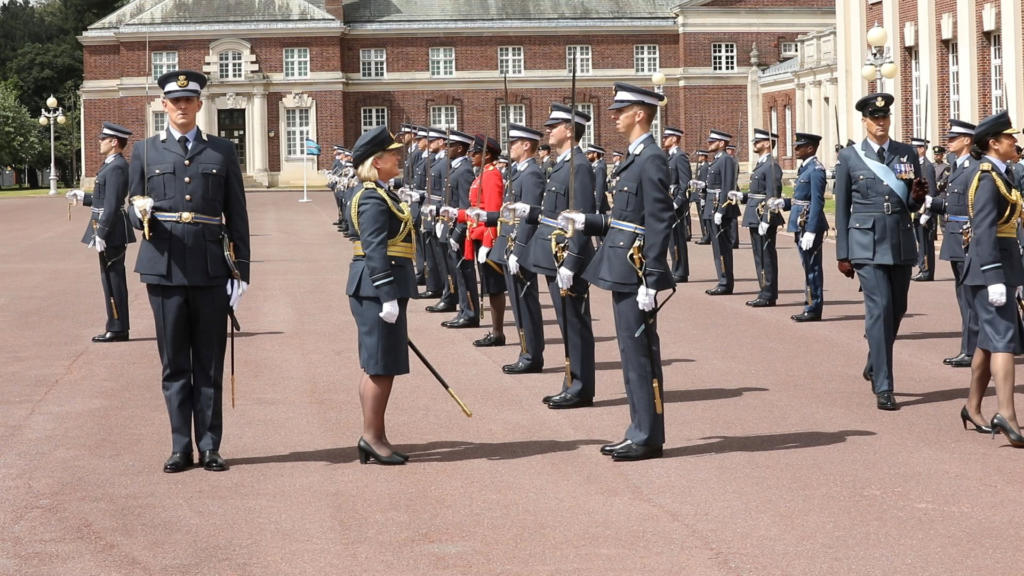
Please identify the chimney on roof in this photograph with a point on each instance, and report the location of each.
(334, 8)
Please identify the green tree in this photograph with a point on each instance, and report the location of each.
(20, 135)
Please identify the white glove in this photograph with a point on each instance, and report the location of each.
(645, 298)
(429, 211)
(776, 203)
(100, 244)
(718, 218)
(389, 311)
(410, 196)
(927, 202)
(477, 214)
(997, 294)
(438, 229)
(698, 184)
(924, 218)
(453, 245)
(142, 204)
(513, 264)
(521, 208)
(481, 254)
(734, 195)
(449, 212)
(807, 240)
(570, 219)
(75, 194)
(235, 290)
(762, 228)
(564, 278)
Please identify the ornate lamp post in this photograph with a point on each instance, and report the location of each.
(47, 116)
(658, 79)
(879, 63)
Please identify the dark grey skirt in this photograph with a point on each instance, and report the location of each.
(492, 278)
(383, 347)
(999, 327)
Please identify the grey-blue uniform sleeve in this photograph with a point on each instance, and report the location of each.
(843, 199)
(374, 215)
(115, 179)
(533, 191)
(984, 244)
(236, 213)
(582, 201)
(817, 205)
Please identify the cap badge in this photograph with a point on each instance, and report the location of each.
(182, 81)
(879, 102)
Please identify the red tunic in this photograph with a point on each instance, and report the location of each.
(486, 193)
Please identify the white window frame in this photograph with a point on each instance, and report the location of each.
(588, 134)
(372, 116)
(954, 79)
(646, 58)
(516, 115)
(159, 122)
(916, 103)
(789, 49)
(296, 62)
(442, 61)
(297, 129)
(996, 63)
(510, 60)
(230, 65)
(789, 130)
(584, 59)
(773, 120)
(373, 63)
(163, 62)
(723, 57)
(446, 116)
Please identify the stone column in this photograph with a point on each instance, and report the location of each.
(260, 150)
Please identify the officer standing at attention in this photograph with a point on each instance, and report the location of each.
(564, 130)
(878, 185)
(595, 154)
(762, 219)
(925, 230)
(952, 204)
(807, 222)
(438, 188)
(545, 159)
(679, 176)
(703, 211)
(189, 186)
(109, 230)
(460, 254)
(721, 180)
(632, 264)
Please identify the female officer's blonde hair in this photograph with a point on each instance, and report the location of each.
(367, 172)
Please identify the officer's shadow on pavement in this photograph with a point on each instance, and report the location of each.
(949, 395)
(690, 395)
(764, 442)
(614, 365)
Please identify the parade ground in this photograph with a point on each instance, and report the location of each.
(776, 463)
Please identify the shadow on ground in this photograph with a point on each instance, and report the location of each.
(698, 395)
(765, 442)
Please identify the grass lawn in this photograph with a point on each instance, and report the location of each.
(25, 192)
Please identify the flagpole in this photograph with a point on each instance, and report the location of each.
(305, 171)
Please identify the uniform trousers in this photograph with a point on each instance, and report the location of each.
(885, 301)
(925, 247)
(436, 263)
(766, 261)
(680, 256)
(577, 334)
(721, 246)
(467, 291)
(639, 355)
(191, 333)
(814, 275)
(115, 288)
(968, 319)
(524, 297)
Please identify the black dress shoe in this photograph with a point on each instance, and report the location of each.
(441, 307)
(111, 337)
(922, 277)
(805, 317)
(429, 294)
(421, 281)
(462, 323)
(609, 449)
(702, 241)
(681, 279)
(547, 399)
(959, 361)
(520, 367)
(211, 460)
(760, 303)
(490, 340)
(566, 400)
(885, 401)
(368, 454)
(868, 373)
(718, 291)
(633, 452)
(178, 462)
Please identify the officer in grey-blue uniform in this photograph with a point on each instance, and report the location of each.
(632, 264)
(190, 184)
(595, 154)
(951, 204)
(925, 231)
(878, 186)
(807, 222)
(436, 183)
(679, 175)
(703, 212)
(109, 230)
(460, 265)
(721, 180)
(762, 220)
(572, 309)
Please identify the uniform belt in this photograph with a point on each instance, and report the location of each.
(402, 250)
(957, 218)
(755, 196)
(436, 198)
(800, 202)
(97, 210)
(627, 226)
(186, 217)
(550, 222)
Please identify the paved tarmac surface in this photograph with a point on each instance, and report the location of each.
(777, 462)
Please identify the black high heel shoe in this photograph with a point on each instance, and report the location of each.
(1000, 423)
(965, 418)
(367, 453)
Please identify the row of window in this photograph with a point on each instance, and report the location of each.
(511, 62)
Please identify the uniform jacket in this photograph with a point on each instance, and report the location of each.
(721, 178)
(762, 186)
(991, 259)
(107, 201)
(380, 219)
(952, 204)
(601, 186)
(208, 181)
(460, 181)
(679, 174)
(486, 193)
(641, 197)
(872, 222)
(539, 258)
(810, 187)
(928, 172)
(526, 186)
(438, 183)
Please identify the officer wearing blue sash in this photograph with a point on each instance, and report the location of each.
(951, 205)
(878, 185)
(807, 222)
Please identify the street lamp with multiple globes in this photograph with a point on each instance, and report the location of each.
(47, 116)
(658, 79)
(879, 63)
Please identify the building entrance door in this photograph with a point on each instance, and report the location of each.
(231, 126)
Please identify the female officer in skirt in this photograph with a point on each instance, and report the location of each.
(994, 275)
(380, 282)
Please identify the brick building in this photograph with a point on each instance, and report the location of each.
(284, 70)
